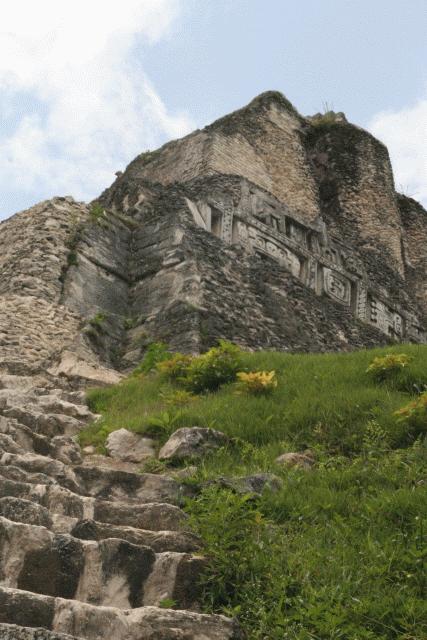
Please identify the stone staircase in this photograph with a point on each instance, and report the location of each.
(88, 551)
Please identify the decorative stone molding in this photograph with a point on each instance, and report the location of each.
(260, 224)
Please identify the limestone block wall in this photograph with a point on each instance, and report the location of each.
(34, 257)
(265, 228)
(179, 160)
(35, 246)
(356, 187)
(165, 293)
(262, 142)
(98, 279)
(268, 151)
(414, 222)
(257, 303)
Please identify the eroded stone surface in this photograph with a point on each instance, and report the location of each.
(303, 460)
(192, 442)
(129, 447)
(13, 632)
(86, 621)
(91, 535)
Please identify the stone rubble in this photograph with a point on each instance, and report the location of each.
(129, 447)
(192, 442)
(303, 460)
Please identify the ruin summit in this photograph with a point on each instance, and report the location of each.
(265, 228)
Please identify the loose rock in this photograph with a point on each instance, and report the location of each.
(303, 460)
(255, 484)
(129, 447)
(192, 442)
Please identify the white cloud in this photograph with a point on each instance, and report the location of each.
(99, 109)
(405, 134)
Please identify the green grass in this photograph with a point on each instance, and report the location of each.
(324, 400)
(339, 552)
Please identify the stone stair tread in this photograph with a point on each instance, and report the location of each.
(47, 424)
(24, 436)
(16, 474)
(104, 572)
(90, 622)
(97, 481)
(89, 548)
(28, 512)
(35, 463)
(25, 511)
(15, 632)
(153, 516)
(159, 541)
(124, 485)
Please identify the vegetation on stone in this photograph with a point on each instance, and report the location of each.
(388, 365)
(257, 382)
(339, 550)
(156, 353)
(96, 211)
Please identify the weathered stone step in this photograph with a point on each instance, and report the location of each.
(17, 474)
(34, 463)
(27, 512)
(24, 436)
(110, 572)
(108, 623)
(156, 516)
(60, 448)
(15, 632)
(107, 484)
(47, 424)
(159, 541)
(113, 485)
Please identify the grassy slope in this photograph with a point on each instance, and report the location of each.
(339, 552)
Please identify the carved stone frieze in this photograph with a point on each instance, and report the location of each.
(337, 286)
(259, 224)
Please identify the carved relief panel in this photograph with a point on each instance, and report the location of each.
(227, 225)
(331, 255)
(289, 260)
(320, 278)
(362, 301)
(296, 233)
(386, 319)
(337, 286)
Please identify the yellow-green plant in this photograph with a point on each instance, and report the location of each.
(386, 366)
(414, 415)
(375, 438)
(214, 368)
(155, 353)
(175, 367)
(257, 382)
(178, 398)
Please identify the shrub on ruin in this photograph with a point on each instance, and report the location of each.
(175, 368)
(385, 367)
(257, 382)
(214, 368)
(96, 211)
(156, 352)
(413, 416)
(178, 398)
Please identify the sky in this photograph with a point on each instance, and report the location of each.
(85, 86)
